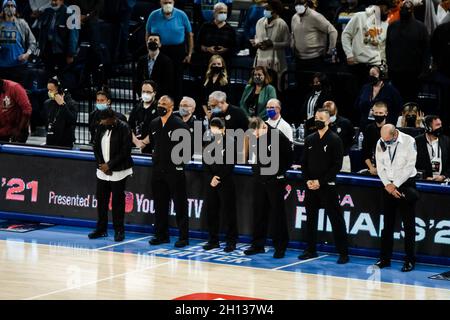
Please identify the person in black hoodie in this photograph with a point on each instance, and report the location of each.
(322, 162)
(112, 149)
(220, 194)
(433, 151)
(269, 187)
(61, 114)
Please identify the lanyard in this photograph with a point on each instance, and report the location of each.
(392, 157)
(276, 127)
(432, 150)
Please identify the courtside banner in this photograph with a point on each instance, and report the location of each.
(65, 187)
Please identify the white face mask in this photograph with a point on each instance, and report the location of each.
(333, 119)
(300, 9)
(167, 8)
(221, 17)
(148, 97)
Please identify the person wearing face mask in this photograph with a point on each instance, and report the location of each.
(17, 43)
(112, 150)
(175, 30)
(269, 189)
(168, 179)
(220, 194)
(155, 66)
(234, 117)
(103, 102)
(344, 129)
(320, 93)
(253, 14)
(57, 42)
(407, 52)
(186, 112)
(257, 93)
(271, 40)
(377, 89)
(411, 120)
(217, 37)
(61, 115)
(216, 79)
(433, 151)
(322, 161)
(372, 134)
(143, 114)
(204, 10)
(396, 163)
(273, 109)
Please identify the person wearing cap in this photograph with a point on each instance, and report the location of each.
(17, 43)
(112, 150)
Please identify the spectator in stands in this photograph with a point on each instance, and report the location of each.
(17, 43)
(156, 66)
(216, 79)
(344, 129)
(254, 13)
(217, 37)
(112, 150)
(372, 135)
(234, 117)
(186, 112)
(273, 109)
(15, 112)
(443, 12)
(407, 52)
(394, 13)
(103, 102)
(257, 93)
(204, 10)
(364, 38)
(440, 46)
(142, 115)
(271, 39)
(174, 28)
(313, 37)
(38, 7)
(57, 43)
(60, 114)
(377, 90)
(433, 151)
(411, 120)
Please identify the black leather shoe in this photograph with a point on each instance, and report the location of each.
(181, 243)
(408, 266)
(119, 236)
(383, 263)
(230, 247)
(278, 254)
(97, 234)
(211, 245)
(253, 250)
(343, 259)
(307, 255)
(157, 241)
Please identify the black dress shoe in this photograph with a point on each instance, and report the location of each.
(307, 255)
(181, 243)
(343, 259)
(230, 247)
(408, 266)
(383, 263)
(211, 245)
(278, 254)
(157, 241)
(119, 236)
(253, 250)
(97, 234)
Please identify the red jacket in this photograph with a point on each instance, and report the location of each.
(14, 106)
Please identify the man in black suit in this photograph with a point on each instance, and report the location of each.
(156, 66)
(433, 151)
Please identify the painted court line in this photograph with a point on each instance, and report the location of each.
(300, 262)
(96, 281)
(122, 243)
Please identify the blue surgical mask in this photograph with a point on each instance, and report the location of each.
(101, 106)
(267, 14)
(272, 113)
(183, 112)
(222, 17)
(216, 110)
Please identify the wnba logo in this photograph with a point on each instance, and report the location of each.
(129, 202)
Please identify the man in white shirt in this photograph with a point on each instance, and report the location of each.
(275, 120)
(396, 164)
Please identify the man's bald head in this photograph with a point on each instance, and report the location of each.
(388, 132)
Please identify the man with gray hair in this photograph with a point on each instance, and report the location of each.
(186, 112)
(395, 156)
(233, 116)
(275, 120)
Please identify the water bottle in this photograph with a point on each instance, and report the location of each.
(207, 130)
(301, 133)
(360, 140)
(294, 132)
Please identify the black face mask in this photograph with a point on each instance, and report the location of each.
(379, 119)
(373, 80)
(317, 87)
(161, 111)
(405, 14)
(152, 46)
(216, 69)
(411, 121)
(438, 132)
(319, 124)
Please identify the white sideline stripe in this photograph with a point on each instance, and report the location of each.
(300, 262)
(96, 281)
(122, 243)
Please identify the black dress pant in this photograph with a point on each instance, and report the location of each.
(406, 209)
(269, 209)
(166, 186)
(326, 197)
(104, 190)
(222, 199)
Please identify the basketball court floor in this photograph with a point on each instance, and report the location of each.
(60, 262)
